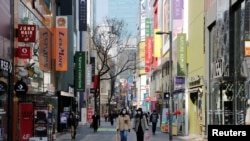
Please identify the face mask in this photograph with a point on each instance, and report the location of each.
(139, 112)
(124, 112)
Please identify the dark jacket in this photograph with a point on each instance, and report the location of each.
(72, 120)
(95, 122)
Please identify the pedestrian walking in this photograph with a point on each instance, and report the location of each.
(72, 122)
(95, 123)
(106, 115)
(247, 118)
(111, 118)
(140, 125)
(154, 119)
(123, 124)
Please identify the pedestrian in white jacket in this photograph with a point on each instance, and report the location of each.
(247, 119)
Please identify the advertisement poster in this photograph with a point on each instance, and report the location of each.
(26, 121)
(40, 122)
(63, 118)
(90, 113)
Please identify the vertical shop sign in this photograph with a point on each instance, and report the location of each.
(80, 71)
(181, 54)
(177, 9)
(26, 121)
(26, 33)
(92, 62)
(88, 75)
(157, 44)
(147, 27)
(82, 15)
(45, 49)
(148, 53)
(61, 44)
(142, 58)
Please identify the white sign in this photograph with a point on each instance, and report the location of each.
(88, 75)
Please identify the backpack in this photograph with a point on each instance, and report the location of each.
(154, 118)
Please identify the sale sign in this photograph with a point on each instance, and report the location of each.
(26, 121)
(26, 33)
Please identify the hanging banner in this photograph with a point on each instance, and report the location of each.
(157, 44)
(92, 62)
(79, 71)
(82, 15)
(88, 75)
(45, 49)
(26, 121)
(61, 44)
(141, 64)
(148, 53)
(181, 54)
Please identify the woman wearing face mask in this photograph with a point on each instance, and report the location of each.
(123, 124)
(140, 125)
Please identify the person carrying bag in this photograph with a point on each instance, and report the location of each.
(123, 124)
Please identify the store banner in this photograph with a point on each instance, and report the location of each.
(181, 54)
(148, 53)
(96, 79)
(82, 15)
(61, 44)
(80, 71)
(157, 44)
(141, 63)
(45, 49)
(178, 7)
(88, 75)
(24, 52)
(26, 33)
(92, 62)
(148, 25)
(26, 121)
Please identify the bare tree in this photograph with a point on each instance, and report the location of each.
(111, 43)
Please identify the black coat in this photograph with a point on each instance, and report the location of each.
(95, 122)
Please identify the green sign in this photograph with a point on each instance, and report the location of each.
(147, 27)
(79, 75)
(181, 54)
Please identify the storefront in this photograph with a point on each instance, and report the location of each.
(6, 71)
(229, 69)
(33, 71)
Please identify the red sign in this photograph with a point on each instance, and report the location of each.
(89, 114)
(26, 121)
(26, 33)
(148, 53)
(24, 52)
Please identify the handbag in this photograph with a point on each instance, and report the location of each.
(117, 136)
(146, 136)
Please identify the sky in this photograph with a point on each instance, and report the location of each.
(102, 10)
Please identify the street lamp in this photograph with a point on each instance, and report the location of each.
(170, 81)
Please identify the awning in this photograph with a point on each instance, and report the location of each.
(195, 90)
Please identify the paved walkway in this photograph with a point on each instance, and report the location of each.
(106, 132)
